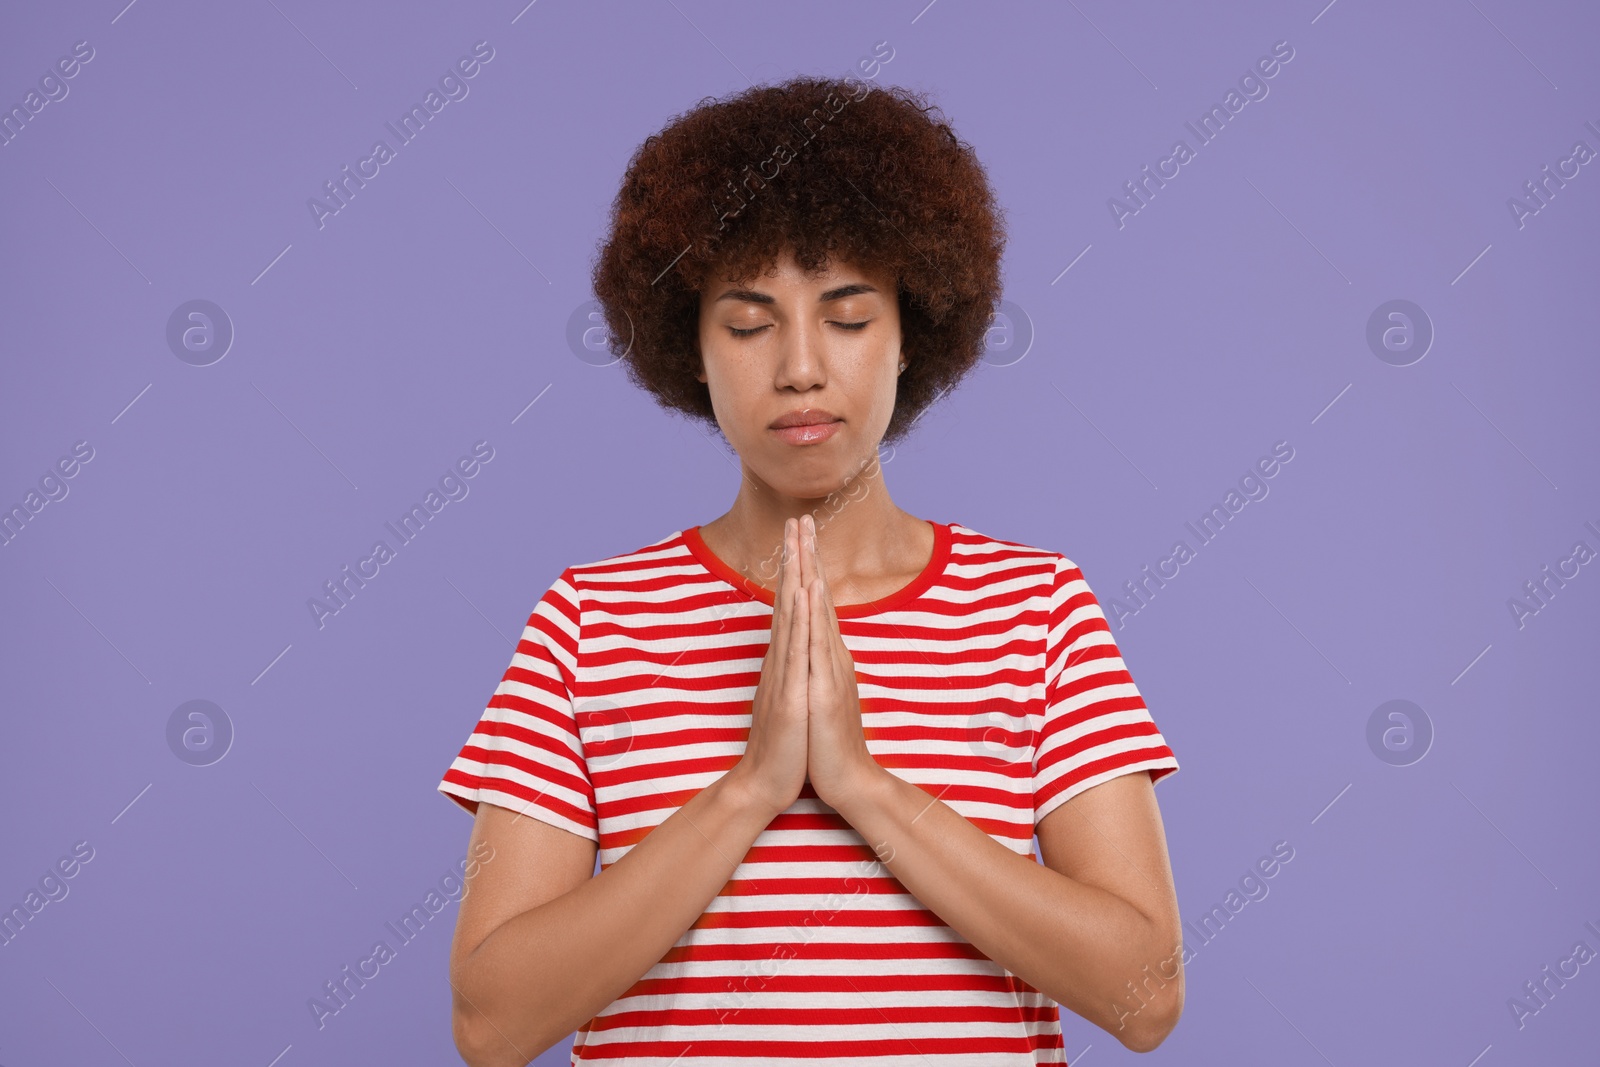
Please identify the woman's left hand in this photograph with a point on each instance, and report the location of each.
(838, 763)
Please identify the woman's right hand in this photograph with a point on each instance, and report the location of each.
(773, 767)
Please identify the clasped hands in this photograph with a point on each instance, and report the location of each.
(806, 716)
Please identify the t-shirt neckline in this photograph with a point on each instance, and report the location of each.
(905, 594)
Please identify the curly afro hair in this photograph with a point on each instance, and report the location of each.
(824, 167)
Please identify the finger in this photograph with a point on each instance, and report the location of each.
(805, 535)
(792, 558)
(785, 586)
(783, 569)
(829, 620)
(824, 650)
(821, 649)
(796, 661)
(827, 596)
(783, 609)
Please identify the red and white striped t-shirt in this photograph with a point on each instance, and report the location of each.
(991, 681)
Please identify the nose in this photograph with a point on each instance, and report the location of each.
(802, 357)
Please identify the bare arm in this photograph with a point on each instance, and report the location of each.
(1095, 928)
(1084, 928)
(543, 944)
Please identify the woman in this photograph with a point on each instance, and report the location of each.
(811, 741)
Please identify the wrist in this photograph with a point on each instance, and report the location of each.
(865, 791)
(738, 789)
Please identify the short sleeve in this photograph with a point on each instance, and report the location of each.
(526, 753)
(1096, 725)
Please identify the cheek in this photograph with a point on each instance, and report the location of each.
(731, 385)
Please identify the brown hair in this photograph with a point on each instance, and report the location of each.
(827, 167)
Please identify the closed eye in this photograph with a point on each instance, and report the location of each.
(852, 326)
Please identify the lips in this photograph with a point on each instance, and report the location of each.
(809, 434)
(804, 417)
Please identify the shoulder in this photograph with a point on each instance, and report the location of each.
(651, 564)
(978, 555)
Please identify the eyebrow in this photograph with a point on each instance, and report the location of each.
(754, 297)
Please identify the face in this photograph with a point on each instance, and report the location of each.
(786, 342)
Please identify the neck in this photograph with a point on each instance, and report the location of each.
(861, 535)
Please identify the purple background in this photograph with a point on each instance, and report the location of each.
(1228, 314)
